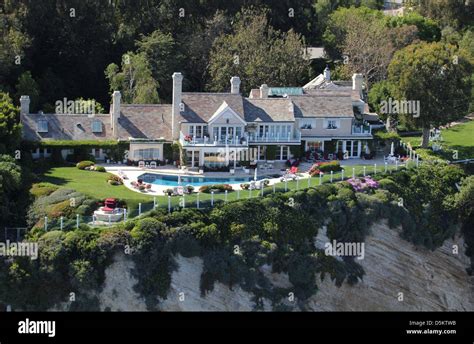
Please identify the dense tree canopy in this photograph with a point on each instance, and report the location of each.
(438, 77)
(10, 129)
(258, 54)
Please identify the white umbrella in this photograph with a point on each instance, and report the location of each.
(255, 175)
(392, 149)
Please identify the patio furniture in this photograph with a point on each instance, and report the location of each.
(201, 171)
(232, 171)
(141, 164)
(246, 170)
(178, 190)
(153, 164)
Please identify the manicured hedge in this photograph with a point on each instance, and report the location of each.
(215, 188)
(83, 164)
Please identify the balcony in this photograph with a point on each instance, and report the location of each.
(361, 130)
(290, 138)
(190, 141)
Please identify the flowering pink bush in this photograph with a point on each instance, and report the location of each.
(363, 184)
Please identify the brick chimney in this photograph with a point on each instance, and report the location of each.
(24, 105)
(264, 91)
(115, 112)
(235, 85)
(177, 95)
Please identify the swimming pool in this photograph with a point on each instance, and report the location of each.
(172, 180)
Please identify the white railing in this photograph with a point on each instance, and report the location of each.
(275, 138)
(216, 141)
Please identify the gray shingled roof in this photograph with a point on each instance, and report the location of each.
(268, 110)
(322, 106)
(66, 127)
(199, 107)
(151, 121)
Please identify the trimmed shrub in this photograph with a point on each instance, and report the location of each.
(215, 188)
(100, 169)
(114, 180)
(329, 166)
(83, 164)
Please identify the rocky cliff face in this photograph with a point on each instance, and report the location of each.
(429, 280)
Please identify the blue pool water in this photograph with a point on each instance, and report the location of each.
(172, 180)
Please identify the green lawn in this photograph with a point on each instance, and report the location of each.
(460, 138)
(94, 184)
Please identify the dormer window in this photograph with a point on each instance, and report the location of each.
(96, 126)
(42, 126)
(331, 124)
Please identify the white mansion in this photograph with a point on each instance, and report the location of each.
(217, 129)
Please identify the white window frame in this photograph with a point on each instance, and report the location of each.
(95, 125)
(42, 126)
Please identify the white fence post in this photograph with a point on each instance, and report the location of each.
(225, 196)
(124, 214)
(342, 175)
(197, 200)
(320, 178)
(46, 223)
(332, 173)
(61, 222)
(77, 220)
(353, 173)
(139, 209)
(212, 198)
(169, 204)
(154, 202)
(375, 169)
(364, 171)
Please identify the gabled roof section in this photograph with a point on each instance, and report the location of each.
(225, 109)
(200, 107)
(148, 121)
(323, 106)
(66, 127)
(269, 110)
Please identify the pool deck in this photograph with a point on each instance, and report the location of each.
(133, 172)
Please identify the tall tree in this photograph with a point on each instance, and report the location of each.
(355, 34)
(10, 128)
(257, 53)
(13, 40)
(438, 77)
(134, 79)
(28, 86)
(457, 13)
(161, 51)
